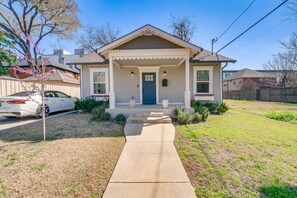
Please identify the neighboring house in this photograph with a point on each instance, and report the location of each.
(247, 79)
(151, 65)
(50, 66)
(63, 57)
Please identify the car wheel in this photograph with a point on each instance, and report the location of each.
(39, 111)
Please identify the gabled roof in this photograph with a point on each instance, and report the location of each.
(202, 54)
(207, 56)
(91, 58)
(247, 73)
(57, 75)
(157, 31)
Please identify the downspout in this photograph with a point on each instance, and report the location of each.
(226, 64)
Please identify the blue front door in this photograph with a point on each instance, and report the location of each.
(149, 88)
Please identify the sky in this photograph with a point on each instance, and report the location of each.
(211, 18)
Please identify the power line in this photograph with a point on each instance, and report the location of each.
(235, 20)
(252, 26)
(216, 39)
(266, 32)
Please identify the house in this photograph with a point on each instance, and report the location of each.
(247, 79)
(151, 65)
(50, 65)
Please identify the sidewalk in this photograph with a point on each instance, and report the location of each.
(149, 166)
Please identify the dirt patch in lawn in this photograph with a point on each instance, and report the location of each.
(76, 161)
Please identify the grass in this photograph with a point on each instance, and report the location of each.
(241, 153)
(283, 116)
(77, 160)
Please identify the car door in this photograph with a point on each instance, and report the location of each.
(66, 102)
(52, 101)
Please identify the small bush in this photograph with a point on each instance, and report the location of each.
(120, 118)
(177, 110)
(282, 116)
(105, 116)
(212, 107)
(222, 108)
(197, 117)
(185, 117)
(203, 111)
(88, 104)
(97, 112)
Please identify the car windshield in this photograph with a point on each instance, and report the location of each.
(24, 93)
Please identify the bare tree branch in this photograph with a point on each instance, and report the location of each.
(182, 27)
(96, 37)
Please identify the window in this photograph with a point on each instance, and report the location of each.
(99, 81)
(61, 95)
(203, 79)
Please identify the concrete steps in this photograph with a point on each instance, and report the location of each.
(151, 117)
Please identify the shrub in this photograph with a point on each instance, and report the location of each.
(203, 111)
(197, 117)
(105, 116)
(185, 117)
(212, 107)
(177, 110)
(222, 108)
(97, 112)
(88, 104)
(282, 116)
(120, 117)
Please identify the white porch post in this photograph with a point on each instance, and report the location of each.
(111, 86)
(187, 82)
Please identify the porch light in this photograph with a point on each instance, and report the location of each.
(132, 74)
(164, 73)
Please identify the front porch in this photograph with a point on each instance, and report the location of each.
(142, 109)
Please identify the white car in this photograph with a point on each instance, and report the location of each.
(29, 103)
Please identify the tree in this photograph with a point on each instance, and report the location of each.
(182, 27)
(95, 37)
(36, 19)
(6, 54)
(285, 63)
(37, 71)
(292, 7)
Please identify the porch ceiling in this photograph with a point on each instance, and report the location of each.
(151, 62)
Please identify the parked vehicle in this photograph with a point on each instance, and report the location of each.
(29, 103)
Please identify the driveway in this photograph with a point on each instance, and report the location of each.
(7, 123)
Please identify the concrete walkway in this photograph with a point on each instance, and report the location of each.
(149, 166)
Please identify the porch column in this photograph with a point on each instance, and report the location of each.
(111, 85)
(187, 83)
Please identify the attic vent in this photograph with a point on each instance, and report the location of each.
(148, 32)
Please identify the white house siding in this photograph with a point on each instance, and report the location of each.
(174, 92)
(217, 80)
(85, 75)
(125, 86)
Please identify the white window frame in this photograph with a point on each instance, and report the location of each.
(92, 70)
(202, 68)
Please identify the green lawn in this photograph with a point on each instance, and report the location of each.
(241, 153)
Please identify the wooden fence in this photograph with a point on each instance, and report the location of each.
(10, 86)
(272, 95)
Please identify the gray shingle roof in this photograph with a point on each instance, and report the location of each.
(207, 56)
(91, 58)
(247, 73)
(57, 75)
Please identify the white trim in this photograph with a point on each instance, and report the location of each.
(81, 81)
(149, 69)
(157, 32)
(92, 70)
(136, 54)
(199, 68)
